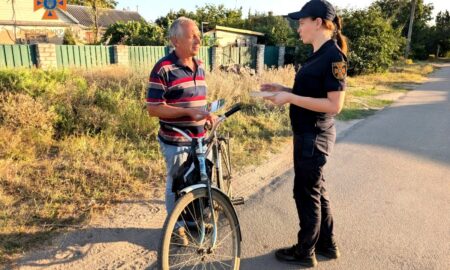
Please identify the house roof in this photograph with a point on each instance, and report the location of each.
(37, 23)
(237, 30)
(83, 15)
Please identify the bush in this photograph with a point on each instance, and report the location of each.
(69, 38)
(26, 127)
(139, 33)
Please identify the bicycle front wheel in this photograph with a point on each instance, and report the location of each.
(193, 213)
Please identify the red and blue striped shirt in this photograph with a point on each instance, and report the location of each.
(175, 84)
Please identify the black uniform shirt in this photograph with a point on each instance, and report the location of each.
(324, 71)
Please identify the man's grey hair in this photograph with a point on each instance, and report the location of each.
(176, 29)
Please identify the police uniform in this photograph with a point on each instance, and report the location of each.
(314, 138)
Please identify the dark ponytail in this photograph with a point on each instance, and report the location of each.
(340, 38)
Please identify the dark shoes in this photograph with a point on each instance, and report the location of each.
(293, 256)
(329, 250)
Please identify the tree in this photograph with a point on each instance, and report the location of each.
(442, 33)
(410, 28)
(276, 29)
(374, 43)
(165, 21)
(219, 15)
(394, 12)
(134, 33)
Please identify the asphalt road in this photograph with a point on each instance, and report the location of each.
(389, 183)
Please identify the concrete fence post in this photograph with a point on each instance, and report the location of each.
(260, 58)
(281, 54)
(121, 55)
(46, 56)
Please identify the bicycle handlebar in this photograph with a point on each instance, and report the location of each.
(237, 107)
(233, 110)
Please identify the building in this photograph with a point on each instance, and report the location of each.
(227, 36)
(20, 24)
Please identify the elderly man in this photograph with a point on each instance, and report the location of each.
(177, 96)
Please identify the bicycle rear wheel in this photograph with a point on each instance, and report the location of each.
(226, 168)
(198, 253)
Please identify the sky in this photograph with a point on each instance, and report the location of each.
(152, 9)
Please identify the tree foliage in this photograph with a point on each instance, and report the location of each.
(374, 43)
(276, 29)
(134, 33)
(397, 13)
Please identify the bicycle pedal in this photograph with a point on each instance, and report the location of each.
(237, 200)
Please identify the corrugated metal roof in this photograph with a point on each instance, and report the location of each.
(236, 30)
(107, 16)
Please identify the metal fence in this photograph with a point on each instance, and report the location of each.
(139, 57)
(271, 56)
(12, 56)
(83, 56)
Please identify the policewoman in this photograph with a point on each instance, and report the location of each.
(316, 97)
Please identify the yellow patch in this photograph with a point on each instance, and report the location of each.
(340, 70)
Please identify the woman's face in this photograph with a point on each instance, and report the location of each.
(308, 29)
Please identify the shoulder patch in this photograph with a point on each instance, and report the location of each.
(339, 70)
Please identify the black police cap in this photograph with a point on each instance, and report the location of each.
(315, 9)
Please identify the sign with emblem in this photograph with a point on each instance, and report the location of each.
(50, 7)
(339, 70)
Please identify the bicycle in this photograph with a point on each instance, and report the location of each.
(215, 238)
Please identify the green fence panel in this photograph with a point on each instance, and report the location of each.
(12, 56)
(271, 56)
(247, 56)
(140, 57)
(205, 55)
(83, 56)
(145, 57)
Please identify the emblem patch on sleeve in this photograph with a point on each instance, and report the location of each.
(339, 70)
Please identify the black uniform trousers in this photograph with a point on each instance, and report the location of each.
(311, 199)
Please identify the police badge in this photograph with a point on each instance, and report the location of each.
(50, 7)
(339, 70)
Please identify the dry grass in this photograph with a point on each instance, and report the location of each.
(74, 141)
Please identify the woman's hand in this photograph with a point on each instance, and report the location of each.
(280, 98)
(274, 87)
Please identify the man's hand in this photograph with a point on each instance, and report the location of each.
(273, 87)
(280, 98)
(197, 114)
(211, 120)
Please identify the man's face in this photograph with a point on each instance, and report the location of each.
(188, 44)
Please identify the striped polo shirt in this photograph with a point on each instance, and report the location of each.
(175, 84)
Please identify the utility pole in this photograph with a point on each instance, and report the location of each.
(411, 23)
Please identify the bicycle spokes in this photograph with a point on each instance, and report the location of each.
(200, 230)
